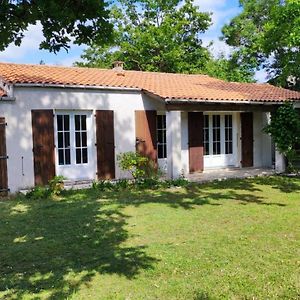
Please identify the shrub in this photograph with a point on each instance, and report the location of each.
(284, 129)
(133, 162)
(56, 185)
(38, 193)
(102, 185)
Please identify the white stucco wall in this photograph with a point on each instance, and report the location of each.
(19, 129)
(262, 149)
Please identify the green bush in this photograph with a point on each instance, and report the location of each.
(138, 165)
(103, 185)
(56, 185)
(284, 129)
(38, 193)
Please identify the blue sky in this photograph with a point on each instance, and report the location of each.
(28, 52)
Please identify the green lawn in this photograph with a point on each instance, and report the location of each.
(236, 239)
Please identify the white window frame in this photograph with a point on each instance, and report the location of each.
(75, 171)
(222, 160)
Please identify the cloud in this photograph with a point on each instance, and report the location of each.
(31, 41)
(261, 76)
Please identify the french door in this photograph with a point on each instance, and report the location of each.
(74, 159)
(220, 140)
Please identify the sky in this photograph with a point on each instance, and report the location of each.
(222, 12)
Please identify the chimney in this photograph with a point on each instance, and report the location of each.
(118, 65)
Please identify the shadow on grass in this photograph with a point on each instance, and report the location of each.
(56, 246)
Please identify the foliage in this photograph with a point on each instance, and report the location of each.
(102, 185)
(154, 36)
(267, 34)
(54, 188)
(285, 130)
(229, 69)
(56, 185)
(134, 163)
(155, 244)
(83, 22)
(38, 193)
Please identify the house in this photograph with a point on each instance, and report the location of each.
(74, 121)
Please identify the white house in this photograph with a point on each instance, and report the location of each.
(74, 122)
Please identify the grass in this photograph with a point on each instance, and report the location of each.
(236, 239)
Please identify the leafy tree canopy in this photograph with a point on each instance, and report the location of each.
(162, 36)
(267, 34)
(152, 35)
(81, 21)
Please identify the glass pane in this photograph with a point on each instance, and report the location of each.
(206, 121)
(84, 156)
(160, 151)
(160, 136)
(78, 156)
(67, 157)
(165, 151)
(77, 122)
(60, 140)
(67, 139)
(59, 123)
(60, 156)
(66, 123)
(83, 139)
(83, 122)
(159, 122)
(77, 139)
(164, 121)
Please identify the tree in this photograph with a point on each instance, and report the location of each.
(229, 69)
(82, 21)
(154, 35)
(267, 34)
(284, 129)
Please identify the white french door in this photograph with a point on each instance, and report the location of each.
(220, 140)
(74, 158)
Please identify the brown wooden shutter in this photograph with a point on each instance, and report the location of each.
(145, 128)
(43, 146)
(247, 139)
(195, 127)
(3, 159)
(105, 144)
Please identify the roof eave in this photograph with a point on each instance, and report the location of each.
(225, 101)
(74, 86)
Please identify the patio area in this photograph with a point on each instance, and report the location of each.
(221, 174)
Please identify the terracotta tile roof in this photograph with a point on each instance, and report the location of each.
(165, 85)
(2, 93)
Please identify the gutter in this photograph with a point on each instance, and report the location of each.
(223, 101)
(69, 86)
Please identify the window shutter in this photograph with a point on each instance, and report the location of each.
(105, 144)
(145, 128)
(3, 158)
(195, 128)
(247, 139)
(43, 145)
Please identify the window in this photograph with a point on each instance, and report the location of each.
(216, 134)
(206, 135)
(81, 139)
(228, 134)
(161, 137)
(63, 139)
(72, 139)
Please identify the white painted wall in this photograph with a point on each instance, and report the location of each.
(262, 142)
(173, 120)
(184, 143)
(19, 129)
